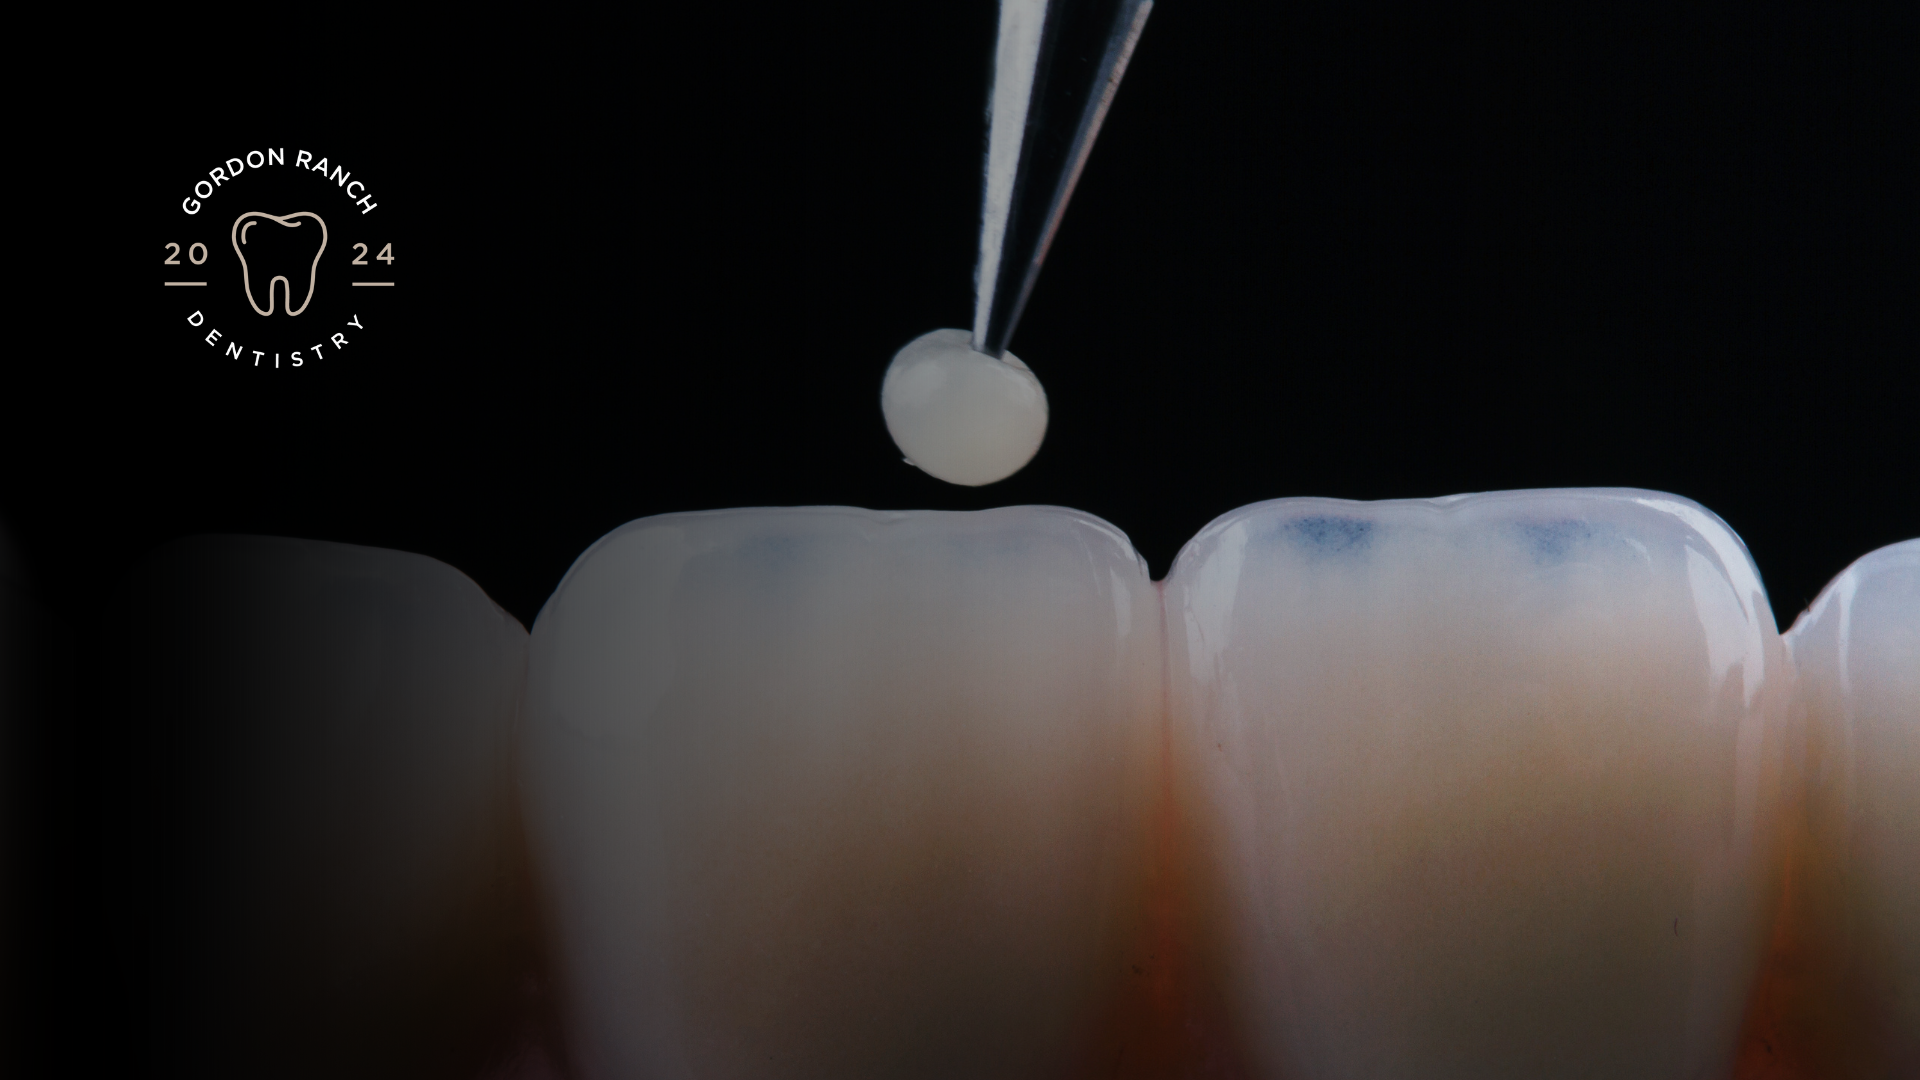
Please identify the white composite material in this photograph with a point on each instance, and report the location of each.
(959, 415)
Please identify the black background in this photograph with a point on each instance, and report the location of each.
(1318, 250)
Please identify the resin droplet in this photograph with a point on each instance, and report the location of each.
(962, 416)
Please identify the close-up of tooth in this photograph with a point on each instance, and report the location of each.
(1479, 786)
(318, 821)
(831, 792)
(279, 256)
(1841, 994)
(884, 540)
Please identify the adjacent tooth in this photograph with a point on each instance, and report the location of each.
(1841, 997)
(320, 823)
(279, 251)
(835, 793)
(1482, 786)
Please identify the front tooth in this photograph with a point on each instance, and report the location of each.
(830, 792)
(1482, 786)
(279, 257)
(319, 819)
(1841, 997)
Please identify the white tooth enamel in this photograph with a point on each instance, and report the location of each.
(837, 793)
(280, 254)
(1482, 786)
(332, 829)
(1852, 940)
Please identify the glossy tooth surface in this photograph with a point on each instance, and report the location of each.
(318, 808)
(1480, 786)
(830, 792)
(1842, 993)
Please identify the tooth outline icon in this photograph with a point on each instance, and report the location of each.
(238, 235)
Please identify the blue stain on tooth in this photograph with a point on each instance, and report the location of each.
(1327, 535)
(1553, 542)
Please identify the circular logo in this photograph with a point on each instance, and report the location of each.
(282, 258)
